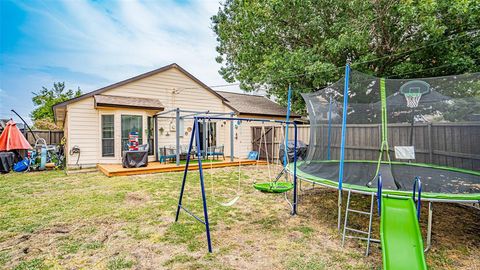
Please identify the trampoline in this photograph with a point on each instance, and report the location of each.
(397, 133)
(440, 183)
(400, 129)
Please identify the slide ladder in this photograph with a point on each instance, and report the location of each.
(366, 235)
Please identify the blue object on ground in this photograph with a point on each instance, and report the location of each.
(253, 155)
(22, 165)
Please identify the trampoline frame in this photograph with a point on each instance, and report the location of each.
(425, 195)
(430, 201)
(430, 204)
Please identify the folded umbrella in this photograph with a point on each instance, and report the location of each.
(13, 139)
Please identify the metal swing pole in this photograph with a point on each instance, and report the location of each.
(342, 147)
(289, 102)
(329, 130)
(232, 143)
(196, 135)
(190, 145)
(202, 186)
(177, 137)
(295, 199)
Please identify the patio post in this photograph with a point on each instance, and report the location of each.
(177, 135)
(155, 126)
(204, 139)
(232, 143)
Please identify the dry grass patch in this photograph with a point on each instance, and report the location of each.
(88, 221)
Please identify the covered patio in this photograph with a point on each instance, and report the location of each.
(179, 116)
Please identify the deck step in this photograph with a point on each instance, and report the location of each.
(156, 167)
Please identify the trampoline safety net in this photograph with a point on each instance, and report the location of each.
(399, 128)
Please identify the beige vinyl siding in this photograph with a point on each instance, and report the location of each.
(175, 90)
(67, 140)
(190, 96)
(82, 123)
(172, 87)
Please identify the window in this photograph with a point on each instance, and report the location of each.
(150, 134)
(131, 123)
(108, 139)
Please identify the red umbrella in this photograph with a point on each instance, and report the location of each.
(12, 138)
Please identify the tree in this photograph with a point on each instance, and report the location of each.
(46, 98)
(271, 44)
(46, 124)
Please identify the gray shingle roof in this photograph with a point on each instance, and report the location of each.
(118, 101)
(254, 104)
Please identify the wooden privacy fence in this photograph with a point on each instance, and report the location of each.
(50, 136)
(274, 136)
(448, 144)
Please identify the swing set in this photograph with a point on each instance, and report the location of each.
(271, 186)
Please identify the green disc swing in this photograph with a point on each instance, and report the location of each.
(275, 186)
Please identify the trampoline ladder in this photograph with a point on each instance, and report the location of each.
(367, 234)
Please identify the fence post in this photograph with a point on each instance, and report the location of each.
(49, 137)
(379, 135)
(430, 138)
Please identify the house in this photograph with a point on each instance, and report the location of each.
(98, 123)
(3, 124)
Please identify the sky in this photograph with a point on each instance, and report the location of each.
(91, 44)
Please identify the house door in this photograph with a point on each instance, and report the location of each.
(131, 123)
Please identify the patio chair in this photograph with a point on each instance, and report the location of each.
(184, 151)
(165, 153)
(216, 151)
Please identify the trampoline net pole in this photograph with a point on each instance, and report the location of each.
(342, 143)
(339, 219)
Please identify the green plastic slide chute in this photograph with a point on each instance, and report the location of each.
(402, 244)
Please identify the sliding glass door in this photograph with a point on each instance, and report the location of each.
(131, 123)
(151, 134)
(211, 136)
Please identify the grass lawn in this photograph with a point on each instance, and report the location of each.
(87, 221)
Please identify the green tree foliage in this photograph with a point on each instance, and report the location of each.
(46, 98)
(272, 43)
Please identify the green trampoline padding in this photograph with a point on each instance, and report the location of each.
(465, 187)
(271, 187)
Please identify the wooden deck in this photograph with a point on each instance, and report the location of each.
(157, 167)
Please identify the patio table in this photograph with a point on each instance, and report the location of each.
(135, 158)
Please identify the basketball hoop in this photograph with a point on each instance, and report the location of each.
(413, 99)
(413, 91)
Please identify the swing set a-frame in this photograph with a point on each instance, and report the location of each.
(196, 136)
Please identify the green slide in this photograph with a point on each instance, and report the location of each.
(402, 244)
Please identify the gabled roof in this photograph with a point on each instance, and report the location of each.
(133, 79)
(254, 104)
